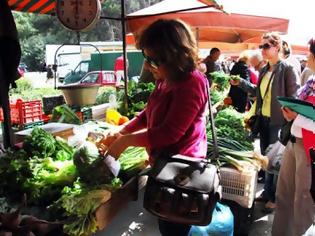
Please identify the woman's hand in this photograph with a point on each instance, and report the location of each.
(288, 114)
(118, 146)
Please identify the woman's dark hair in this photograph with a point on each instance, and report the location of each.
(173, 44)
(286, 49)
(312, 46)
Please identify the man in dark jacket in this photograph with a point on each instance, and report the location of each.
(211, 62)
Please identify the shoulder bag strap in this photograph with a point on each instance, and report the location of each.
(213, 131)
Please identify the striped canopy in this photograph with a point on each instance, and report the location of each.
(34, 6)
(48, 6)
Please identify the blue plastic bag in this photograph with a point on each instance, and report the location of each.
(222, 223)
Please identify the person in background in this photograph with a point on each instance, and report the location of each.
(289, 58)
(172, 122)
(49, 73)
(276, 78)
(306, 73)
(119, 68)
(211, 62)
(238, 95)
(257, 61)
(295, 205)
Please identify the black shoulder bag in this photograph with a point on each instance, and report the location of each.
(182, 189)
(254, 122)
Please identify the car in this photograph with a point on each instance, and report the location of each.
(103, 78)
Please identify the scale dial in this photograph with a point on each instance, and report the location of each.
(78, 15)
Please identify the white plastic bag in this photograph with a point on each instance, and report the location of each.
(274, 153)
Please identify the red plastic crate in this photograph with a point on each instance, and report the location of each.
(24, 112)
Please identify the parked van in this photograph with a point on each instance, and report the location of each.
(105, 61)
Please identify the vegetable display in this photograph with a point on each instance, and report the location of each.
(68, 184)
(79, 204)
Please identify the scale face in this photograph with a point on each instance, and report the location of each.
(78, 15)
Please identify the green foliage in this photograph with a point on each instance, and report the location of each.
(33, 52)
(14, 170)
(22, 85)
(103, 94)
(26, 92)
(34, 94)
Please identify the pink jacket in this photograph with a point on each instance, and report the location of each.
(175, 117)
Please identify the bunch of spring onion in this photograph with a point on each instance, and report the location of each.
(230, 152)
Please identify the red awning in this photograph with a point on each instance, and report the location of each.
(210, 24)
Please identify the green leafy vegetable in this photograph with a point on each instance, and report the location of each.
(40, 143)
(91, 166)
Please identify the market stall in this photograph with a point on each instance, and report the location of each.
(52, 173)
(53, 179)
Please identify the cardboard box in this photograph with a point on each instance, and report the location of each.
(107, 211)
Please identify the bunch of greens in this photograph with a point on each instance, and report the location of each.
(42, 145)
(132, 161)
(231, 153)
(14, 170)
(221, 80)
(138, 94)
(48, 179)
(217, 96)
(79, 204)
(64, 114)
(90, 165)
(230, 123)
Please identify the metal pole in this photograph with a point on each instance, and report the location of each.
(6, 124)
(123, 26)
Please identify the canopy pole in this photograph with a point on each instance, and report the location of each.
(4, 98)
(197, 37)
(123, 26)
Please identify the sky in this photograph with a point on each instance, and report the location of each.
(301, 15)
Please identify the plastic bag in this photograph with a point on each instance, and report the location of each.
(222, 223)
(274, 152)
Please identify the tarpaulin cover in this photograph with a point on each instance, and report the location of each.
(210, 24)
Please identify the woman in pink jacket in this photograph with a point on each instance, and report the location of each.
(174, 120)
